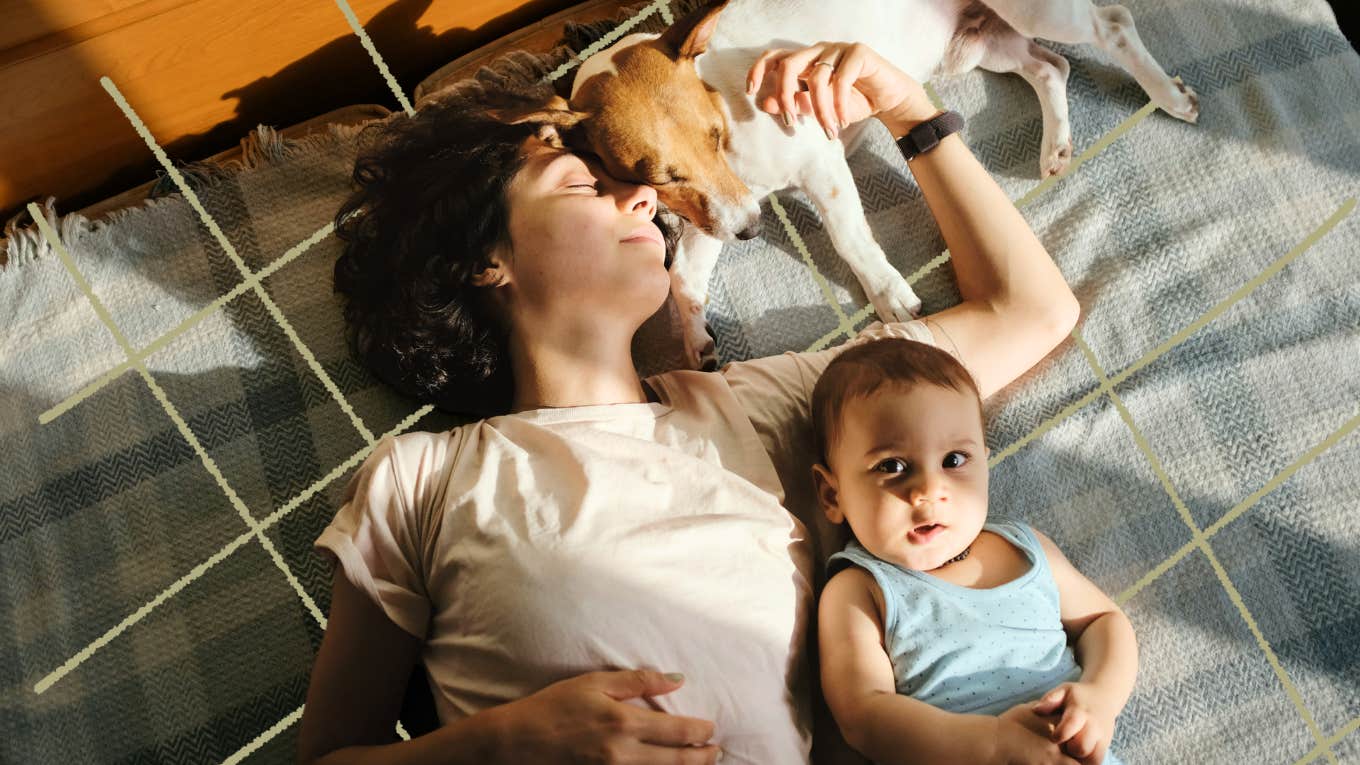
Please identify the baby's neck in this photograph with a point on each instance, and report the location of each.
(992, 561)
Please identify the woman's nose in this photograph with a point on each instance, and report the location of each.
(638, 198)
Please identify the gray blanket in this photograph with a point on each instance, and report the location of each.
(1191, 447)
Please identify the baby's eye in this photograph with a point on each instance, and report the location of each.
(891, 465)
(961, 454)
(592, 186)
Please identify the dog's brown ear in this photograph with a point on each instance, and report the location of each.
(688, 37)
(555, 119)
(556, 112)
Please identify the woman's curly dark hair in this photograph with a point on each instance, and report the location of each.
(430, 208)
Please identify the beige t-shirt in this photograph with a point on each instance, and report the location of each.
(533, 547)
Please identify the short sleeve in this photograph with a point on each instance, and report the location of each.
(375, 538)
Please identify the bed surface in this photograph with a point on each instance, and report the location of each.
(1191, 447)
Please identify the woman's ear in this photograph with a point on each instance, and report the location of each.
(489, 277)
(825, 481)
(495, 274)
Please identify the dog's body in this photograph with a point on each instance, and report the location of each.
(650, 119)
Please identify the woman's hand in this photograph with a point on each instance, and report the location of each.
(858, 84)
(1024, 737)
(583, 720)
(1087, 723)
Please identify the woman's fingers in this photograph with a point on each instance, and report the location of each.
(846, 75)
(791, 69)
(757, 74)
(646, 754)
(850, 86)
(665, 729)
(823, 98)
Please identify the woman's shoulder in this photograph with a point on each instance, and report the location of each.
(419, 455)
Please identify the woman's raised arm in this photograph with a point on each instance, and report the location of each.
(1016, 304)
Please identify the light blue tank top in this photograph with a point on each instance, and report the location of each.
(972, 651)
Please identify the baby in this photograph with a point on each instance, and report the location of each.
(939, 630)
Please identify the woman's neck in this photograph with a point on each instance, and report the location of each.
(554, 369)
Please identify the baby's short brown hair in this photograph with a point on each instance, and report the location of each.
(865, 368)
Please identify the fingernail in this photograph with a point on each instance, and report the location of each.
(830, 134)
(675, 677)
(844, 124)
(788, 121)
(750, 87)
(800, 119)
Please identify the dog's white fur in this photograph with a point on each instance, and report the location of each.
(917, 36)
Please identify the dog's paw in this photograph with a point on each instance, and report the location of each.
(700, 350)
(1056, 160)
(1184, 105)
(896, 302)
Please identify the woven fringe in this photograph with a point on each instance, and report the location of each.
(23, 243)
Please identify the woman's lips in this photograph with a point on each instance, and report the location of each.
(923, 534)
(646, 236)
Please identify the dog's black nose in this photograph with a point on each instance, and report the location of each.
(750, 232)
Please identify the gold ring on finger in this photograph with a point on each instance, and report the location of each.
(831, 64)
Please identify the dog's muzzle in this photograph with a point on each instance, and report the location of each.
(751, 231)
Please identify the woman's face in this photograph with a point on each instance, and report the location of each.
(582, 241)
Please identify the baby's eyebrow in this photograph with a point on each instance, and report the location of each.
(891, 446)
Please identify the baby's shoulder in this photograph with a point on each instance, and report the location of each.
(853, 585)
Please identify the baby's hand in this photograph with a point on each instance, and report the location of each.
(1024, 737)
(1087, 722)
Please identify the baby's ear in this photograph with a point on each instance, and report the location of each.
(825, 481)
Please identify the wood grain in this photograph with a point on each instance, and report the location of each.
(201, 75)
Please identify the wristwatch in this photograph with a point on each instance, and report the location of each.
(928, 134)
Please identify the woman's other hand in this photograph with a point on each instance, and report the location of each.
(858, 84)
(1024, 737)
(585, 719)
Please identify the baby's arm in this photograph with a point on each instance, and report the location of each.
(1105, 648)
(857, 680)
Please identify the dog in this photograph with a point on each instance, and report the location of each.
(671, 110)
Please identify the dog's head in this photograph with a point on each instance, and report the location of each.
(641, 107)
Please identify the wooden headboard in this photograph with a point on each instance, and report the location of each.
(202, 74)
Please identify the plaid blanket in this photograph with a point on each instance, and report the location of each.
(180, 413)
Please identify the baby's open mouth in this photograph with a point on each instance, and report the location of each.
(927, 527)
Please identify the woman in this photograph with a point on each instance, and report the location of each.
(554, 562)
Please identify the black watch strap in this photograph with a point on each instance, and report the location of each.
(927, 135)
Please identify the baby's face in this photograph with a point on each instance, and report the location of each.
(910, 474)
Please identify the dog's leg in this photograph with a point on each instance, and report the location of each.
(1109, 27)
(829, 184)
(1006, 50)
(695, 256)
